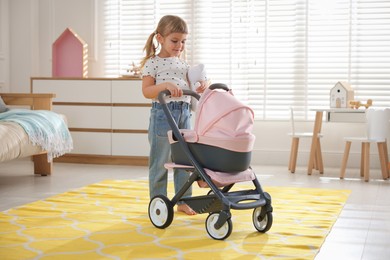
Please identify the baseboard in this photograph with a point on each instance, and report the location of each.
(103, 159)
(330, 159)
(259, 157)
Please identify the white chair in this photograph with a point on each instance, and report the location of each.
(377, 129)
(296, 136)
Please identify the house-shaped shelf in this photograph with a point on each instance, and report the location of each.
(70, 56)
(340, 95)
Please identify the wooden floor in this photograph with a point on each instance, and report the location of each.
(362, 230)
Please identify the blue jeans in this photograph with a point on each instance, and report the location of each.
(160, 148)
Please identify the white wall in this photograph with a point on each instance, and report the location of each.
(23, 43)
(29, 27)
(55, 16)
(273, 144)
(4, 47)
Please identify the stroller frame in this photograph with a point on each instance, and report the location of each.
(219, 201)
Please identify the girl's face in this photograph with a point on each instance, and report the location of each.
(172, 45)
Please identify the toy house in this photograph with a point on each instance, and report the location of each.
(340, 95)
(70, 56)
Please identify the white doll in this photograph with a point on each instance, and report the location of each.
(195, 74)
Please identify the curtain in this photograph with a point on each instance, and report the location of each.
(274, 54)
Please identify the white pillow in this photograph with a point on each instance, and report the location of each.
(3, 106)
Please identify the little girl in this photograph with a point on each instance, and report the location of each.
(166, 71)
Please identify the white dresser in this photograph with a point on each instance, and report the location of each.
(107, 117)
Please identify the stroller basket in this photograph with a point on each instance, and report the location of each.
(221, 139)
(213, 158)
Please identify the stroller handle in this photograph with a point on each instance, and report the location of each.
(219, 86)
(165, 93)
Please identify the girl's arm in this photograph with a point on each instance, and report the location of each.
(203, 84)
(151, 90)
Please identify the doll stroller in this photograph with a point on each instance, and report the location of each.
(217, 155)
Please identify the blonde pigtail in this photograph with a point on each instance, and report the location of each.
(149, 48)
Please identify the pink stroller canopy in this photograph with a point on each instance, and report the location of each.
(222, 120)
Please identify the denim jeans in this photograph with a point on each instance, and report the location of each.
(160, 148)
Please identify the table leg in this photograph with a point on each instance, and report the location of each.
(314, 141)
(345, 159)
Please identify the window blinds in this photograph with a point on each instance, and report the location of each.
(273, 54)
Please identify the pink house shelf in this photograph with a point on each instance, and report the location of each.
(70, 56)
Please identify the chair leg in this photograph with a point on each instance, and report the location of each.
(362, 161)
(382, 159)
(366, 161)
(293, 154)
(319, 157)
(387, 159)
(345, 159)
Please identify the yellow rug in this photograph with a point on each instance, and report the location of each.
(109, 220)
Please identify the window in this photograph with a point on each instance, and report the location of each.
(273, 54)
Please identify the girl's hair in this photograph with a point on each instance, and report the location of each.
(168, 24)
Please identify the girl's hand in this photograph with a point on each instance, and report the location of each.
(203, 85)
(175, 90)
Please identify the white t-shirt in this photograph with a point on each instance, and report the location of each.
(171, 69)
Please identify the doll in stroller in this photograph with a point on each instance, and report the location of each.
(216, 154)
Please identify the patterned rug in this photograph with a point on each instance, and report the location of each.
(109, 220)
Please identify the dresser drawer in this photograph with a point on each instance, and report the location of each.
(130, 144)
(132, 118)
(86, 116)
(91, 143)
(128, 91)
(91, 91)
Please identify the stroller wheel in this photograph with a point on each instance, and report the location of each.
(262, 222)
(211, 192)
(160, 211)
(218, 234)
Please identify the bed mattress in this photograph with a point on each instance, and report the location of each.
(14, 142)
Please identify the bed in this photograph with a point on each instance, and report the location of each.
(15, 139)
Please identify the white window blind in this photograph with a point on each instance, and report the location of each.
(273, 54)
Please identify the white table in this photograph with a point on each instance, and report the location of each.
(345, 115)
(332, 115)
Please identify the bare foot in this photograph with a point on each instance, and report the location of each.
(186, 209)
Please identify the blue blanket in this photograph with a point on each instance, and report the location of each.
(44, 128)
